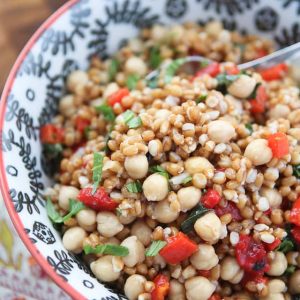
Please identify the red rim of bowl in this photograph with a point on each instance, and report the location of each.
(3, 181)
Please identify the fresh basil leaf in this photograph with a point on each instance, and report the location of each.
(75, 207)
(160, 170)
(107, 249)
(128, 115)
(187, 180)
(132, 81)
(249, 127)
(296, 171)
(155, 247)
(286, 245)
(53, 215)
(113, 69)
(290, 270)
(134, 187)
(97, 170)
(107, 111)
(201, 98)
(155, 58)
(86, 132)
(188, 224)
(135, 122)
(172, 68)
(253, 94)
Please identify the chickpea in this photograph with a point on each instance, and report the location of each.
(77, 78)
(86, 219)
(134, 286)
(273, 196)
(177, 290)
(205, 258)
(73, 239)
(294, 283)
(231, 271)
(209, 228)
(273, 296)
(65, 193)
(220, 131)
(110, 89)
(276, 286)
(66, 106)
(136, 251)
(278, 264)
(243, 296)
(142, 231)
(197, 164)
(135, 65)
(242, 87)
(155, 187)
(199, 288)
(279, 111)
(108, 224)
(164, 213)
(103, 269)
(158, 33)
(188, 198)
(127, 219)
(213, 28)
(258, 152)
(136, 166)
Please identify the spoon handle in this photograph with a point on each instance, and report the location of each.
(273, 58)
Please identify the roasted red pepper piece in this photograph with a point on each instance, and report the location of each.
(51, 134)
(204, 273)
(117, 96)
(253, 277)
(81, 123)
(296, 234)
(215, 297)
(295, 213)
(251, 255)
(161, 288)
(99, 201)
(213, 69)
(230, 208)
(179, 248)
(279, 144)
(274, 73)
(211, 198)
(272, 246)
(258, 104)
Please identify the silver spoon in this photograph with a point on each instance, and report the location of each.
(291, 54)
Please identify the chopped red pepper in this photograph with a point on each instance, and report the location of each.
(279, 144)
(211, 198)
(100, 201)
(251, 255)
(204, 273)
(179, 248)
(257, 278)
(213, 69)
(161, 288)
(295, 213)
(272, 246)
(274, 73)
(81, 123)
(261, 52)
(230, 208)
(233, 70)
(296, 234)
(215, 297)
(51, 134)
(258, 104)
(117, 96)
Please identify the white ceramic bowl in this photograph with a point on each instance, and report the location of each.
(63, 43)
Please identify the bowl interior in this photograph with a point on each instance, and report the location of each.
(65, 42)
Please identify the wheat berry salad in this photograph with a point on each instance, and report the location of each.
(186, 186)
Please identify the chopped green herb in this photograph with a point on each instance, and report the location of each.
(134, 187)
(107, 137)
(296, 171)
(286, 245)
(113, 69)
(135, 122)
(152, 83)
(155, 247)
(107, 249)
(119, 211)
(128, 115)
(253, 94)
(188, 224)
(201, 98)
(226, 80)
(132, 81)
(86, 132)
(249, 127)
(290, 270)
(97, 170)
(74, 207)
(187, 180)
(107, 111)
(155, 58)
(172, 68)
(161, 171)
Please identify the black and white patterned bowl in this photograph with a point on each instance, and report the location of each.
(65, 42)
